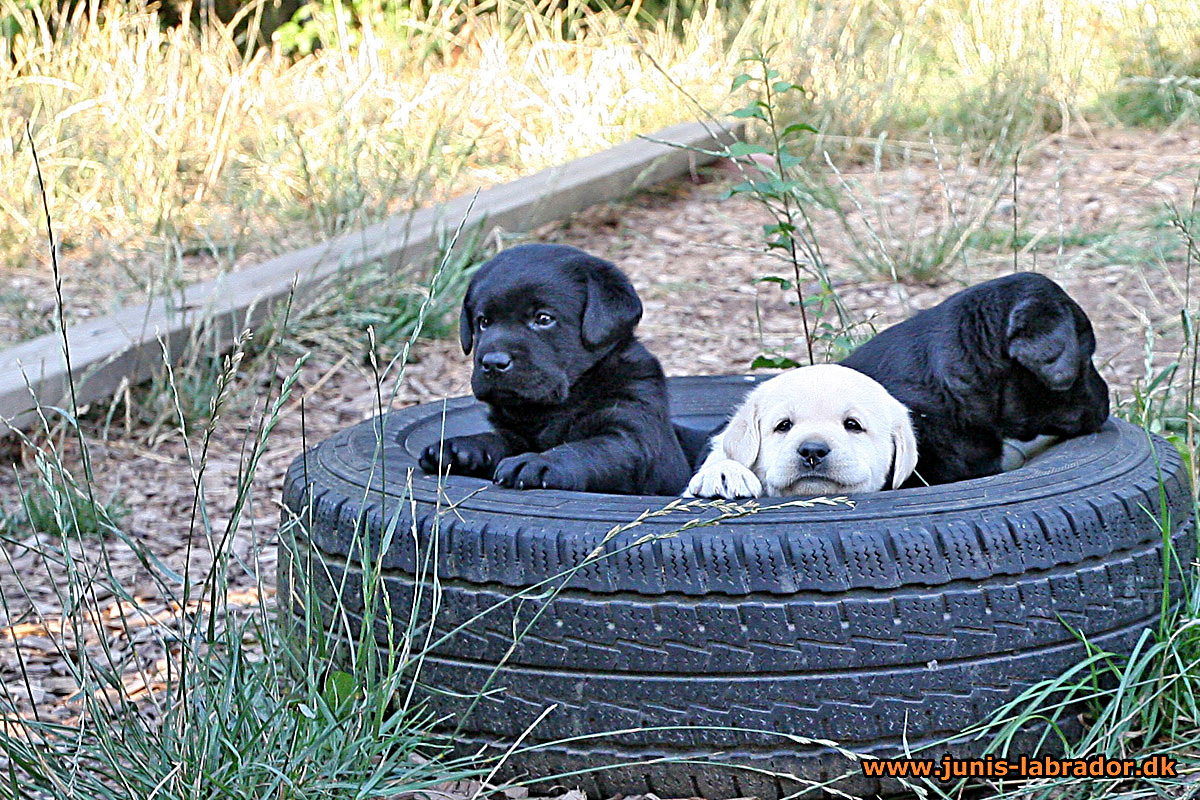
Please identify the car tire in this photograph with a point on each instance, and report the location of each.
(721, 659)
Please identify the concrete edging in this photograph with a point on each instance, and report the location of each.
(124, 346)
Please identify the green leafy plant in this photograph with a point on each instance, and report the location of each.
(775, 178)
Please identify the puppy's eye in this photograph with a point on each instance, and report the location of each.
(484, 322)
(853, 425)
(784, 426)
(542, 320)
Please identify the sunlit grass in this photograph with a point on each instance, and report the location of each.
(177, 142)
(164, 144)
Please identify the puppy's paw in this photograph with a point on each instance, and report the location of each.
(460, 455)
(726, 478)
(538, 471)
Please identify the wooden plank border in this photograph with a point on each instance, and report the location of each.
(124, 346)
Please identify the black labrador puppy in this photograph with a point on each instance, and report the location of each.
(576, 402)
(1009, 358)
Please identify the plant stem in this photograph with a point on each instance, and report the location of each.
(787, 205)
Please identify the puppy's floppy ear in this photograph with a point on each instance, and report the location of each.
(612, 308)
(466, 324)
(1041, 337)
(466, 320)
(904, 447)
(741, 440)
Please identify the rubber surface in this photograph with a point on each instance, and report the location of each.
(896, 616)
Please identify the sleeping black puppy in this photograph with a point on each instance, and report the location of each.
(1009, 358)
(576, 402)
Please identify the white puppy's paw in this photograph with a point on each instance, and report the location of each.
(724, 478)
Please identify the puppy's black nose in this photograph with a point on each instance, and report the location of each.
(812, 452)
(496, 361)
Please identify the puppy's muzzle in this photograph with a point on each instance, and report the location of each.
(812, 453)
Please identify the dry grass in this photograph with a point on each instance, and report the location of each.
(974, 70)
(172, 154)
(177, 141)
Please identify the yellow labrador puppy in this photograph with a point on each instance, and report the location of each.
(819, 430)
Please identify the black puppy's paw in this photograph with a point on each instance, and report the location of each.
(539, 471)
(460, 455)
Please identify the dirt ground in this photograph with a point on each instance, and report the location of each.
(694, 256)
